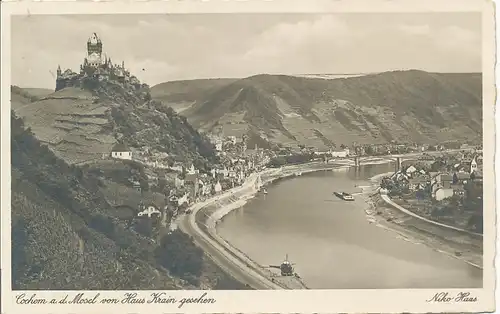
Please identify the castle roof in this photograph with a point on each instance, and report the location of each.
(94, 39)
(120, 147)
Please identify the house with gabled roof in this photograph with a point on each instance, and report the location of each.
(121, 151)
(417, 183)
(461, 177)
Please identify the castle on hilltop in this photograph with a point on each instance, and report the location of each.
(95, 65)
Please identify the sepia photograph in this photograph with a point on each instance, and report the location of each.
(238, 151)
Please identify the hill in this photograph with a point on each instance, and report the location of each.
(406, 106)
(67, 235)
(180, 95)
(22, 96)
(87, 116)
(62, 234)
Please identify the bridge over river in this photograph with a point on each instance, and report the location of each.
(400, 158)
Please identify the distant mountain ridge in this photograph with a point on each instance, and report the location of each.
(408, 106)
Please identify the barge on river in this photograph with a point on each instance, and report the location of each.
(344, 196)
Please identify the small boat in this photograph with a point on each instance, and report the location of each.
(345, 196)
(264, 191)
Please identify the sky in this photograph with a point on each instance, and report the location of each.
(167, 47)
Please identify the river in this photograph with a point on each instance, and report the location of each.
(332, 243)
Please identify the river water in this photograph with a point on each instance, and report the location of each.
(332, 243)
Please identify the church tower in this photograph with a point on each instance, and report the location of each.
(59, 72)
(473, 165)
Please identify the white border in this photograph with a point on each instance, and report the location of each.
(297, 301)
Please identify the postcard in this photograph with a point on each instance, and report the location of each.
(248, 157)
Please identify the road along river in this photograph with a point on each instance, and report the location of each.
(331, 242)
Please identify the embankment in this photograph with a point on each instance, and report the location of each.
(411, 227)
(209, 216)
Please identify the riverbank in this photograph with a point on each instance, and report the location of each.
(457, 244)
(207, 216)
(212, 214)
(377, 212)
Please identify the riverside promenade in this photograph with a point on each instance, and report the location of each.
(226, 256)
(388, 200)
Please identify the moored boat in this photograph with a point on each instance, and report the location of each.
(345, 196)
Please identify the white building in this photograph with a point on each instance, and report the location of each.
(191, 170)
(182, 200)
(218, 145)
(150, 210)
(121, 151)
(217, 187)
(441, 194)
(410, 170)
(340, 154)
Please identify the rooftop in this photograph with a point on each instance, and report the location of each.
(418, 180)
(463, 175)
(120, 147)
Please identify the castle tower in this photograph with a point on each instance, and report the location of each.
(94, 51)
(94, 45)
(59, 72)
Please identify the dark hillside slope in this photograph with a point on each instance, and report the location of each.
(62, 235)
(67, 235)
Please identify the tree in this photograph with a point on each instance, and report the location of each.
(476, 223)
(178, 253)
(369, 150)
(144, 226)
(19, 241)
(420, 194)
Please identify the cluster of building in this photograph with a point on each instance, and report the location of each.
(447, 183)
(229, 144)
(186, 184)
(402, 148)
(341, 153)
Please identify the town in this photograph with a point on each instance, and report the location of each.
(435, 187)
(150, 186)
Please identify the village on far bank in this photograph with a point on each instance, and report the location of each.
(447, 189)
(157, 188)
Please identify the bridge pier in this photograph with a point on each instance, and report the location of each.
(356, 161)
(398, 163)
